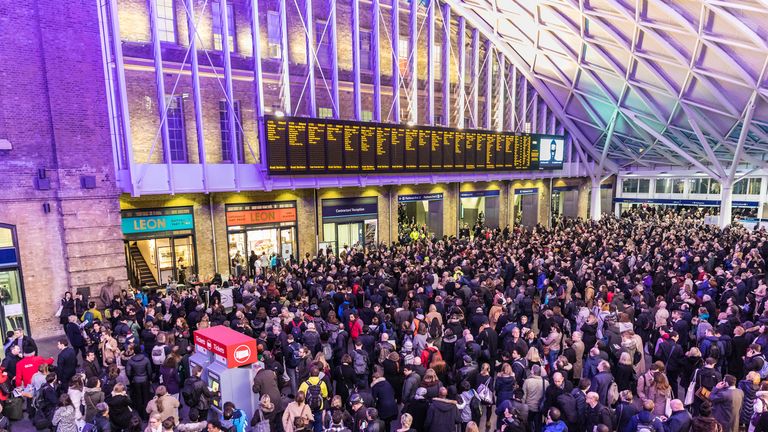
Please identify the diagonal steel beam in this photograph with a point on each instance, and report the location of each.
(703, 141)
(745, 126)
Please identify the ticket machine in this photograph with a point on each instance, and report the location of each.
(231, 370)
(202, 356)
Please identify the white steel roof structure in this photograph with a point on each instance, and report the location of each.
(644, 84)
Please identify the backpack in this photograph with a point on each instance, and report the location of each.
(88, 318)
(613, 394)
(764, 369)
(360, 362)
(188, 393)
(644, 427)
(434, 356)
(296, 330)
(314, 397)
(296, 352)
(475, 406)
(327, 352)
(566, 400)
(158, 355)
(384, 349)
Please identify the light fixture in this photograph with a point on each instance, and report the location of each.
(279, 113)
(411, 123)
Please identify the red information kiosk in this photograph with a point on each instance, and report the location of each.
(230, 370)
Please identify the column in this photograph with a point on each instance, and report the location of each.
(726, 202)
(594, 203)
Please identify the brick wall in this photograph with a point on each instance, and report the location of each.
(53, 110)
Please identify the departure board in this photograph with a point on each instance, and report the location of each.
(368, 147)
(277, 142)
(351, 147)
(397, 148)
(334, 143)
(316, 147)
(296, 145)
(411, 149)
(423, 149)
(383, 148)
(436, 150)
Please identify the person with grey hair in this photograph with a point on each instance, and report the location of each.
(601, 383)
(597, 413)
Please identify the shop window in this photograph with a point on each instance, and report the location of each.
(176, 134)
(166, 21)
(216, 13)
(273, 35)
(226, 154)
(366, 59)
(754, 186)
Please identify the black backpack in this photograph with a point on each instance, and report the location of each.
(188, 392)
(314, 396)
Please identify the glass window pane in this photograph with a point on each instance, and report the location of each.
(365, 49)
(714, 187)
(740, 187)
(644, 186)
(166, 24)
(678, 186)
(226, 154)
(663, 186)
(176, 139)
(754, 186)
(216, 16)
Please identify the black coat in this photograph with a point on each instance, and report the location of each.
(417, 408)
(66, 364)
(442, 415)
(138, 369)
(600, 414)
(67, 309)
(74, 335)
(384, 395)
(120, 410)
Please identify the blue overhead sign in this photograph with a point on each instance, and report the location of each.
(670, 201)
(420, 197)
(477, 194)
(527, 191)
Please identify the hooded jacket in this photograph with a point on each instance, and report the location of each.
(442, 415)
(138, 369)
(91, 398)
(557, 426)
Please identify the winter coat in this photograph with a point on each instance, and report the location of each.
(292, 411)
(384, 395)
(748, 405)
(533, 392)
(442, 415)
(120, 410)
(91, 398)
(679, 421)
(170, 407)
(705, 424)
(504, 388)
(64, 419)
(170, 377)
(138, 369)
(265, 383)
(557, 426)
(659, 398)
(418, 409)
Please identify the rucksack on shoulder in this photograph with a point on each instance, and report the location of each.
(642, 427)
(314, 396)
(764, 369)
(188, 393)
(158, 355)
(613, 394)
(360, 363)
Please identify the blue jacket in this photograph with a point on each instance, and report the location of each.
(557, 426)
(679, 421)
(646, 417)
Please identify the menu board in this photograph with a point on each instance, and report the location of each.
(297, 145)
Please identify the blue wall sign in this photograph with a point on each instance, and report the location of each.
(347, 207)
(158, 223)
(477, 194)
(420, 197)
(527, 191)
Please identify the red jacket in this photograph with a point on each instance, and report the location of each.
(356, 329)
(27, 367)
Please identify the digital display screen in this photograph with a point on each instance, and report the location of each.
(297, 145)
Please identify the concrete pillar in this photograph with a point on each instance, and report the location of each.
(726, 203)
(594, 205)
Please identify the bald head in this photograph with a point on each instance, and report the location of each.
(676, 405)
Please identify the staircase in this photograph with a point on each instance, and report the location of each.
(141, 274)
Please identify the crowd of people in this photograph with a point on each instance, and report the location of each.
(651, 322)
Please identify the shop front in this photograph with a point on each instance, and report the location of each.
(159, 245)
(421, 212)
(261, 229)
(349, 222)
(565, 201)
(478, 209)
(526, 207)
(13, 313)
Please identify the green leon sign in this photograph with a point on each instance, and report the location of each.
(149, 224)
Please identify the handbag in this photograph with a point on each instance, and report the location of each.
(484, 393)
(262, 425)
(691, 388)
(668, 408)
(58, 311)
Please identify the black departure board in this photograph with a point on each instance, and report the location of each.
(424, 142)
(436, 150)
(448, 149)
(334, 143)
(460, 142)
(411, 149)
(351, 147)
(316, 147)
(368, 147)
(277, 145)
(397, 148)
(297, 145)
(384, 148)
